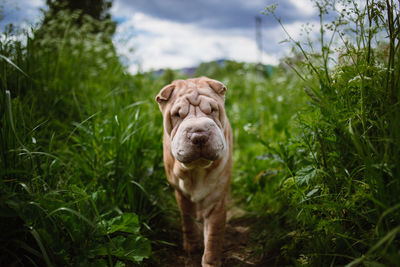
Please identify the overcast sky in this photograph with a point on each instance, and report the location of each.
(156, 34)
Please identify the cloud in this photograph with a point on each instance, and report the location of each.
(159, 43)
(215, 13)
(185, 40)
(21, 12)
(157, 34)
(304, 7)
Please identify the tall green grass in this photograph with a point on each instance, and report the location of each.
(81, 177)
(336, 198)
(316, 148)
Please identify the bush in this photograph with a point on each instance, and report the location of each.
(338, 189)
(80, 153)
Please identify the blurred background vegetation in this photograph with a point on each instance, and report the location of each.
(316, 145)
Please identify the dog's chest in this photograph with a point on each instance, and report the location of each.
(196, 184)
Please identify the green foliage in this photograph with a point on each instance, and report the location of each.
(316, 147)
(80, 153)
(97, 10)
(338, 189)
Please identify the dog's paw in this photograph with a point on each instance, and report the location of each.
(211, 264)
(209, 260)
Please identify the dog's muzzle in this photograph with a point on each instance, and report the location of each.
(198, 138)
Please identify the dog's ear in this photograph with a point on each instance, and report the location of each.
(217, 86)
(165, 93)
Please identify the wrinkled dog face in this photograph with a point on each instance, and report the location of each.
(194, 118)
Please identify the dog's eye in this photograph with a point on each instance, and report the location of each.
(176, 114)
(214, 109)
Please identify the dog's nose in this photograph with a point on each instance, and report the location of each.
(199, 138)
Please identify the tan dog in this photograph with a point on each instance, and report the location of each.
(198, 159)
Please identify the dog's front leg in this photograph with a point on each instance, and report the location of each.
(191, 234)
(214, 226)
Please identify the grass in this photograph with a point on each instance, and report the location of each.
(74, 159)
(315, 161)
(339, 173)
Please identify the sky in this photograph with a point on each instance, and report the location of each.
(157, 34)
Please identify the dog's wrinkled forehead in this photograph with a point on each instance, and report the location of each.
(191, 89)
(190, 92)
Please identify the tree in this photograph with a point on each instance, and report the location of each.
(96, 9)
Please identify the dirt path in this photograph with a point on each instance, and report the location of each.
(236, 248)
(237, 251)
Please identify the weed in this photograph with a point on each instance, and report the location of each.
(339, 178)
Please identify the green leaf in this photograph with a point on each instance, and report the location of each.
(120, 264)
(136, 248)
(126, 222)
(13, 64)
(312, 192)
(305, 174)
(78, 214)
(133, 248)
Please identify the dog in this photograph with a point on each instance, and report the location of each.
(197, 155)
